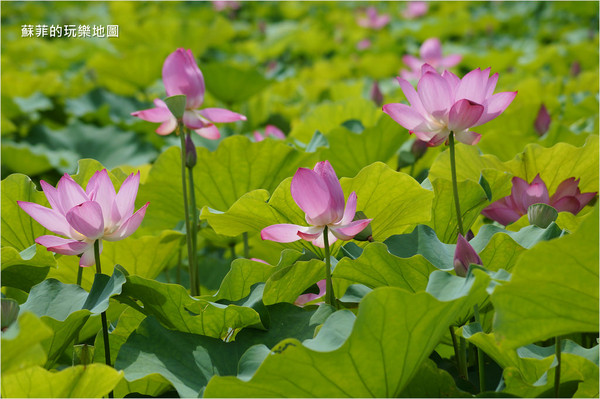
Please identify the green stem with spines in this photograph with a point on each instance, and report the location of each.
(103, 314)
(194, 223)
(329, 294)
(455, 184)
(480, 355)
(188, 229)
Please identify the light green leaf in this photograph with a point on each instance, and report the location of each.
(329, 115)
(35, 159)
(244, 273)
(91, 381)
(237, 167)
(19, 230)
(553, 290)
(22, 344)
(394, 332)
(27, 268)
(376, 267)
(233, 85)
(175, 308)
(286, 284)
(395, 201)
(349, 152)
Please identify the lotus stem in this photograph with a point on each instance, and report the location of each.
(188, 228)
(194, 226)
(462, 356)
(454, 183)
(103, 314)
(480, 355)
(329, 295)
(457, 356)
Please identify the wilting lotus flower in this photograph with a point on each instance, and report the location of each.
(567, 198)
(181, 75)
(270, 131)
(319, 194)
(444, 103)
(99, 213)
(305, 298)
(372, 20)
(431, 53)
(415, 9)
(464, 255)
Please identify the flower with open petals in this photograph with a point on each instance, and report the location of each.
(464, 255)
(444, 103)
(181, 75)
(372, 20)
(319, 194)
(98, 213)
(415, 9)
(567, 198)
(305, 298)
(430, 53)
(270, 131)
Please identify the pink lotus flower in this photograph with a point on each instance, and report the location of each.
(224, 5)
(319, 194)
(99, 213)
(363, 44)
(270, 131)
(305, 298)
(444, 103)
(567, 198)
(372, 20)
(181, 75)
(415, 9)
(464, 255)
(431, 53)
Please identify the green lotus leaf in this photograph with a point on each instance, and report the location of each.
(553, 289)
(390, 321)
(237, 167)
(22, 344)
(175, 308)
(91, 381)
(27, 268)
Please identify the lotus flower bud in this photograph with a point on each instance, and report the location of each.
(10, 312)
(190, 152)
(542, 122)
(376, 94)
(575, 69)
(418, 149)
(541, 215)
(464, 255)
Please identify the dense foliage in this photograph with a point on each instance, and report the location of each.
(310, 70)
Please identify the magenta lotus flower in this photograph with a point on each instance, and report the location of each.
(567, 198)
(319, 194)
(270, 131)
(415, 9)
(98, 213)
(464, 255)
(305, 298)
(363, 44)
(430, 53)
(181, 75)
(444, 103)
(372, 20)
(225, 5)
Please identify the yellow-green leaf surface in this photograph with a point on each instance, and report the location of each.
(553, 290)
(394, 332)
(24, 269)
(91, 381)
(22, 344)
(237, 167)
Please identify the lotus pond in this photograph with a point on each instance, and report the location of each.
(300, 199)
